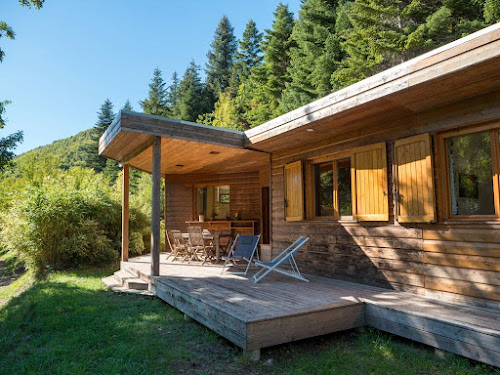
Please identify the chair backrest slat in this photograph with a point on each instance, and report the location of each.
(195, 235)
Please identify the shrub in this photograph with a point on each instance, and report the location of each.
(70, 219)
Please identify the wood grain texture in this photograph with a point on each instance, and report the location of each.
(280, 310)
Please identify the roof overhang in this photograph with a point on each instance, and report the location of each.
(186, 147)
(466, 68)
(463, 69)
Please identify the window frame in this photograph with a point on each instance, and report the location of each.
(443, 177)
(311, 187)
(206, 185)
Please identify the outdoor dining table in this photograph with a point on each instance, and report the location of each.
(214, 237)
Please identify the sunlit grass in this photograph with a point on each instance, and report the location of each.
(71, 324)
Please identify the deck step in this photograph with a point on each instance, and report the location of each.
(130, 281)
(116, 286)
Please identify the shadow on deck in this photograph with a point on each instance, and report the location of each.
(279, 309)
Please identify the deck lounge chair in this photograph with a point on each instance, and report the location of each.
(285, 256)
(243, 248)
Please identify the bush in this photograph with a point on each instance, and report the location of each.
(70, 219)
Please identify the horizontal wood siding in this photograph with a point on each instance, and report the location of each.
(245, 196)
(453, 261)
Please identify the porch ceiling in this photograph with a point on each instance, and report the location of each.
(185, 147)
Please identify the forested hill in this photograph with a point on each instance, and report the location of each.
(70, 152)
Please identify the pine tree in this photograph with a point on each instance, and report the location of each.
(191, 95)
(105, 117)
(156, 103)
(258, 96)
(220, 60)
(378, 34)
(316, 54)
(173, 91)
(128, 106)
(249, 53)
(277, 45)
(112, 168)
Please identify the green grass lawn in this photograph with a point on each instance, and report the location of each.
(71, 324)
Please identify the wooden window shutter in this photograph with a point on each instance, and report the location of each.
(294, 192)
(414, 179)
(369, 183)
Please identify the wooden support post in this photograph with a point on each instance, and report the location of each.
(252, 355)
(155, 209)
(167, 248)
(125, 212)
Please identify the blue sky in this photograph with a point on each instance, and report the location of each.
(70, 56)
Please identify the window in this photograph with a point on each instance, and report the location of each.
(323, 181)
(213, 202)
(470, 160)
(332, 189)
(470, 168)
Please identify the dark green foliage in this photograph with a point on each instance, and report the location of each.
(249, 53)
(315, 55)
(191, 95)
(492, 11)
(8, 143)
(378, 34)
(156, 103)
(105, 117)
(173, 91)
(220, 60)
(258, 97)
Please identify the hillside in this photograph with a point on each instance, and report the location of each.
(70, 151)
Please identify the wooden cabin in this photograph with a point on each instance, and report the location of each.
(396, 178)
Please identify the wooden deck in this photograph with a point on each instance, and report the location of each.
(280, 310)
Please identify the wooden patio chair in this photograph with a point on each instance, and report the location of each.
(226, 241)
(182, 250)
(284, 257)
(170, 239)
(200, 248)
(245, 250)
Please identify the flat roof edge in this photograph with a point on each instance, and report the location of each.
(385, 77)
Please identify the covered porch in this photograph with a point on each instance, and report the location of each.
(211, 179)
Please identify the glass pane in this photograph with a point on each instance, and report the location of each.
(324, 189)
(222, 200)
(471, 176)
(344, 187)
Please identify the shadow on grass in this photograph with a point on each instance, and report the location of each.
(71, 324)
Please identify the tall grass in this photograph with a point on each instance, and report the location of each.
(59, 219)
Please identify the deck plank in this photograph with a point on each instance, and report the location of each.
(280, 309)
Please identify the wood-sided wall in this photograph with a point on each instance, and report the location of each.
(446, 260)
(245, 196)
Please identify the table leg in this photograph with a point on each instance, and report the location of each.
(217, 249)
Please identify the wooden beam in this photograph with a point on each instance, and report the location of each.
(127, 158)
(167, 248)
(125, 212)
(155, 209)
